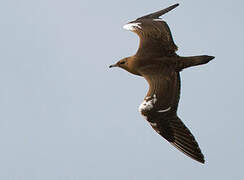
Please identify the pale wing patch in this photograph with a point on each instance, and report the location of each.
(165, 110)
(157, 20)
(147, 105)
(153, 124)
(132, 26)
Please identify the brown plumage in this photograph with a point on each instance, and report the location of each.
(158, 63)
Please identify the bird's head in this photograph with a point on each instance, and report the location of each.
(123, 63)
(127, 64)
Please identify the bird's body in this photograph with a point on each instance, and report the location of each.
(156, 60)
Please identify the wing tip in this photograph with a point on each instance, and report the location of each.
(157, 14)
(175, 5)
(199, 157)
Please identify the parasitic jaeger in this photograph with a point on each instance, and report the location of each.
(156, 60)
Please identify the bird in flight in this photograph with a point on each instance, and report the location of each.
(156, 60)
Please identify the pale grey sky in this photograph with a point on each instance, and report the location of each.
(64, 115)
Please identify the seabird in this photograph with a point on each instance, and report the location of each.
(156, 60)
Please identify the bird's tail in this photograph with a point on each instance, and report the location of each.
(186, 62)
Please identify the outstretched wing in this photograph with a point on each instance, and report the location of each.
(155, 36)
(174, 131)
(159, 108)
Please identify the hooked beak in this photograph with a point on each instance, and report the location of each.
(113, 65)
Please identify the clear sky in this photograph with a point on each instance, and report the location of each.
(64, 115)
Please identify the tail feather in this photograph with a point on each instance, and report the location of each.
(186, 62)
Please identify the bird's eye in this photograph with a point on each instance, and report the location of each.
(122, 62)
